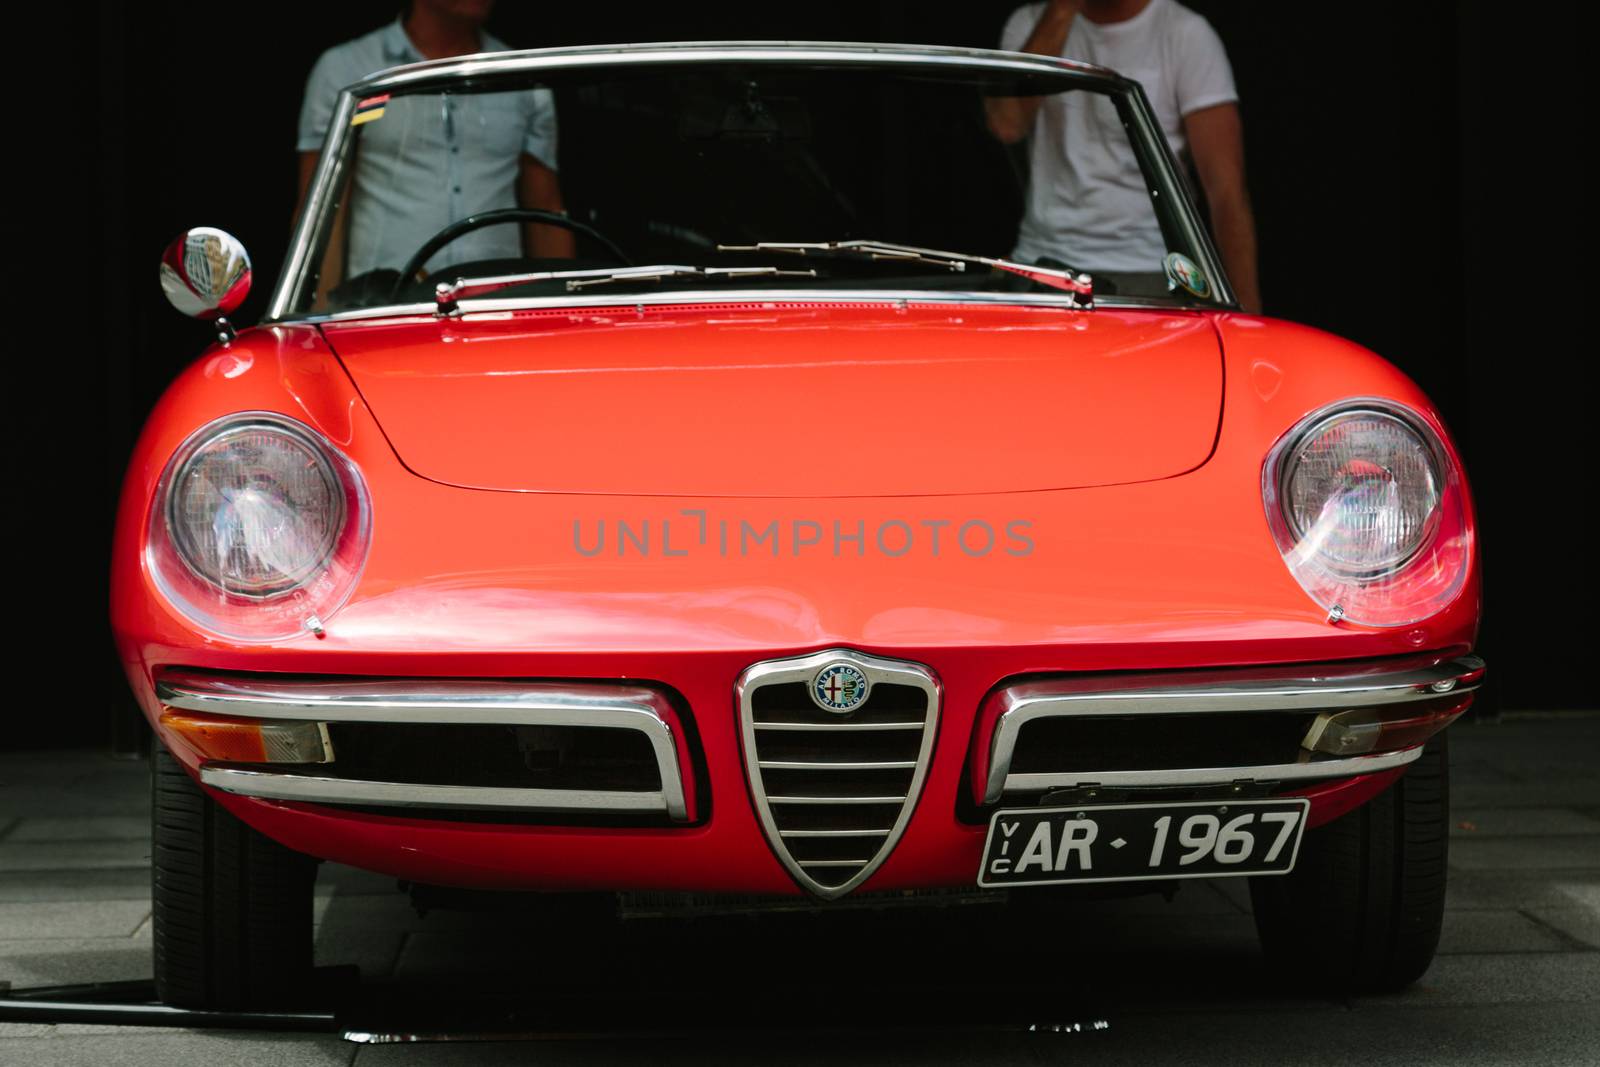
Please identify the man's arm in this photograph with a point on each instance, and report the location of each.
(539, 186)
(1011, 117)
(1216, 139)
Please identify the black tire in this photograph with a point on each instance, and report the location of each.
(1362, 909)
(231, 908)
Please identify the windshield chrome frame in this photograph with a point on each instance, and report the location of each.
(1150, 144)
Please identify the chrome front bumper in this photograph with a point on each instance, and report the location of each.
(1267, 691)
(577, 705)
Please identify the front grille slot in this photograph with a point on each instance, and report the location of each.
(835, 790)
(892, 705)
(840, 817)
(869, 746)
(1134, 742)
(518, 757)
(855, 785)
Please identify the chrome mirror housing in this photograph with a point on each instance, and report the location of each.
(205, 273)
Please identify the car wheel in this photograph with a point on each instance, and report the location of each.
(1362, 909)
(231, 908)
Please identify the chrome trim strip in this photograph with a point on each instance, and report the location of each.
(311, 789)
(803, 726)
(600, 705)
(823, 765)
(801, 669)
(753, 297)
(834, 833)
(1181, 202)
(324, 181)
(1186, 776)
(834, 800)
(1195, 693)
(415, 77)
(829, 863)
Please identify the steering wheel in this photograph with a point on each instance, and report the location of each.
(413, 267)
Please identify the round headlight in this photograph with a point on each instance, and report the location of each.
(1367, 506)
(256, 509)
(260, 527)
(1363, 488)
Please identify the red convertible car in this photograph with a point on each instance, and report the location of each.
(784, 539)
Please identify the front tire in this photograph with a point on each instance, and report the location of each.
(231, 908)
(1363, 907)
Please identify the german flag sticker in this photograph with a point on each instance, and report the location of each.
(369, 109)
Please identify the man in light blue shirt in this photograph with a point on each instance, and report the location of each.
(432, 160)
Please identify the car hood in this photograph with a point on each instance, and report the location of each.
(777, 400)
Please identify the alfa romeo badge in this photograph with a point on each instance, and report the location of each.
(1185, 273)
(839, 687)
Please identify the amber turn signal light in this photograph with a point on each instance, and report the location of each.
(1363, 731)
(233, 740)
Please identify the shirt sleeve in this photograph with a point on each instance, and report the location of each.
(1202, 75)
(541, 139)
(316, 107)
(1019, 26)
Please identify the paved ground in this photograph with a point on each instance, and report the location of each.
(1114, 981)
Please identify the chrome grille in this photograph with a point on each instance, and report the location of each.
(835, 790)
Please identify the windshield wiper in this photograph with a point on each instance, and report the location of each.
(448, 295)
(1077, 283)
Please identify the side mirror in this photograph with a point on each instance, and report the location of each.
(205, 274)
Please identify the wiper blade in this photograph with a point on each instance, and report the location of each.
(448, 295)
(1079, 284)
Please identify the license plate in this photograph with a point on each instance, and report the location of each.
(1142, 842)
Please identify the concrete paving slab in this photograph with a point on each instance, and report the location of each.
(57, 784)
(369, 912)
(68, 960)
(376, 952)
(1522, 889)
(1581, 924)
(84, 828)
(112, 883)
(1511, 978)
(200, 1048)
(1554, 853)
(96, 1030)
(1496, 931)
(45, 919)
(351, 881)
(1520, 822)
(73, 855)
(1570, 792)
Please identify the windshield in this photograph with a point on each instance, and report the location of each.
(743, 175)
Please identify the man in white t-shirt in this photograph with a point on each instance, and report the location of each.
(1087, 200)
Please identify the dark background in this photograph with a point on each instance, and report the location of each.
(1414, 170)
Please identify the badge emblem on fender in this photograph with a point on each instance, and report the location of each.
(1184, 273)
(839, 688)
